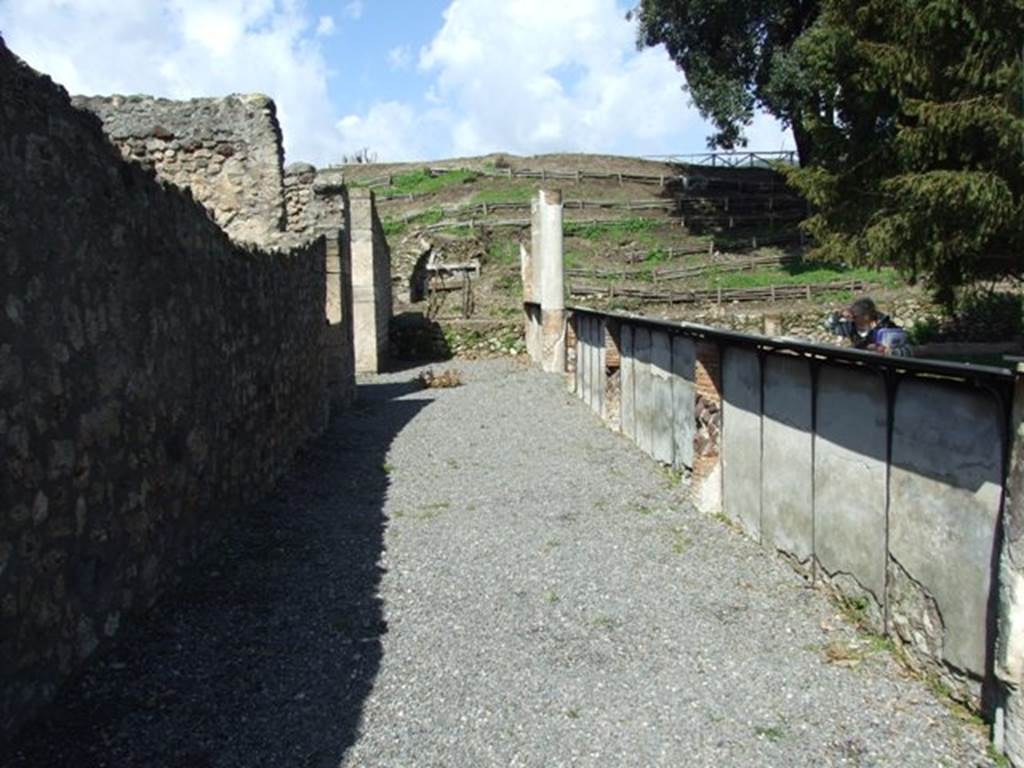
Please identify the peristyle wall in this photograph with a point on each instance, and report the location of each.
(881, 480)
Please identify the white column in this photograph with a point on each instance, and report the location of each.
(552, 280)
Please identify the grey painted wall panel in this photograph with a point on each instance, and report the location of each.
(944, 506)
(590, 361)
(578, 321)
(627, 401)
(850, 476)
(684, 394)
(585, 359)
(787, 514)
(661, 383)
(595, 366)
(741, 438)
(642, 388)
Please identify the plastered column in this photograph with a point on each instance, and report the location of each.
(530, 270)
(371, 283)
(338, 339)
(552, 280)
(1009, 658)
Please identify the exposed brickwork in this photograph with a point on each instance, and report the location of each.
(708, 373)
(570, 344)
(612, 346)
(708, 411)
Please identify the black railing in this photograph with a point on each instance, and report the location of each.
(981, 374)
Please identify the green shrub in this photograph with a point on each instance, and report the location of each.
(925, 331)
(987, 315)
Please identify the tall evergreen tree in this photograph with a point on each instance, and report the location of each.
(915, 111)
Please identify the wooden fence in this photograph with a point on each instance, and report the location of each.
(687, 272)
(687, 181)
(486, 209)
(713, 295)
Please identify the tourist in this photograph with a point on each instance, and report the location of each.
(866, 328)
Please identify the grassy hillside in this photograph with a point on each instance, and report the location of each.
(635, 231)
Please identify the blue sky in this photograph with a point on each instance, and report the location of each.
(408, 79)
(378, 49)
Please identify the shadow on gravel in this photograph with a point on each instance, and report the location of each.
(266, 652)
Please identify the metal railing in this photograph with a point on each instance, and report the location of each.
(999, 379)
(730, 159)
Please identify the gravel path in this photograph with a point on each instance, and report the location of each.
(486, 576)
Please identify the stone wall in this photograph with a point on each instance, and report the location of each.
(227, 151)
(314, 199)
(155, 376)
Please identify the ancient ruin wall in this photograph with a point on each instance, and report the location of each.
(314, 200)
(884, 485)
(154, 376)
(227, 151)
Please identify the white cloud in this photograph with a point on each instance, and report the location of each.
(528, 76)
(539, 76)
(400, 57)
(325, 26)
(766, 135)
(182, 49)
(392, 130)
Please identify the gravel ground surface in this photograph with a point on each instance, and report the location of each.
(486, 576)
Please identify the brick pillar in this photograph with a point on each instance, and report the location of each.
(612, 402)
(570, 352)
(707, 480)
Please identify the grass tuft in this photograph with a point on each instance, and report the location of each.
(422, 183)
(612, 229)
(770, 732)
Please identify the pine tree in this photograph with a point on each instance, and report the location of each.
(915, 111)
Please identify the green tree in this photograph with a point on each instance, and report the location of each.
(915, 112)
(730, 51)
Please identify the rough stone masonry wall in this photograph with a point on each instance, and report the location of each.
(227, 151)
(314, 200)
(154, 376)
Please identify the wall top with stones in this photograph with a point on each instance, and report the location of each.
(228, 151)
(315, 201)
